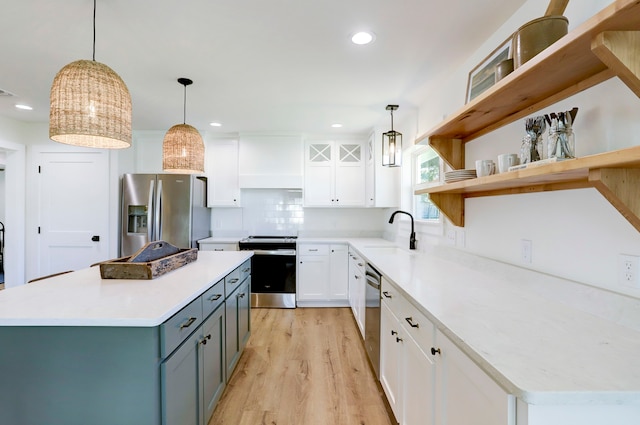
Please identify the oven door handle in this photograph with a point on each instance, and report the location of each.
(283, 252)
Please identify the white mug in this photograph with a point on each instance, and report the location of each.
(507, 160)
(485, 167)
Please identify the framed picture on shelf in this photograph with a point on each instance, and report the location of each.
(483, 76)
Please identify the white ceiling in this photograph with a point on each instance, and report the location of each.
(257, 65)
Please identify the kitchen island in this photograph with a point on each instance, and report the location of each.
(77, 349)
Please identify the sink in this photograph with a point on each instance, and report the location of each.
(388, 250)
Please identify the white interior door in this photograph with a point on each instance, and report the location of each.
(73, 209)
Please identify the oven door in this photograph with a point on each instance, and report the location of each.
(273, 278)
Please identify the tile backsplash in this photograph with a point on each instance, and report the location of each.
(272, 211)
(281, 212)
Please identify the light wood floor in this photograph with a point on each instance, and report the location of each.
(304, 366)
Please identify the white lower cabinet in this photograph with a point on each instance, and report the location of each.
(357, 288)
(216, 246)
(427, 379)
(322, 274)
(407, 373)
(460, 382)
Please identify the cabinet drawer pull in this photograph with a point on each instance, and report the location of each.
(204, 340)
(398, 339)
(188, 322)
(361, 265)
(394, 333)
(218, 249)
(215, 297)
(387, 294)
(241, 295)
(313, 250)
(234, 280)
(247, 270)
(435, 351)
(410, 322)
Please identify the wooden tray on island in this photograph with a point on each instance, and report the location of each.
(152, 260)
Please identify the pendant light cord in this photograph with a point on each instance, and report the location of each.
(94, 30)
(184, 111)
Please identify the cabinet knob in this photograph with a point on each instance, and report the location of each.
(204, 340)
(435, 351)
(394, 333)
(241, 295)
(398, 339)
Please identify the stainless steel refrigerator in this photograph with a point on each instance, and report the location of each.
(168, 207)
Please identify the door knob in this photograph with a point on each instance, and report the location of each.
(95, 238)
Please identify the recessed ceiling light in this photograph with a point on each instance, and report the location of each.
(336, 125)
(24, 107)
(215, 124)
(362, 37)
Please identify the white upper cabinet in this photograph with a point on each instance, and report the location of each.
(334, 173)
(221, 167)
(272, 161)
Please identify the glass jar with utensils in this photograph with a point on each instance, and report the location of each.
(561, 139)
(532, 148)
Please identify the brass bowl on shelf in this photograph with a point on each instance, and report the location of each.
(535, 36)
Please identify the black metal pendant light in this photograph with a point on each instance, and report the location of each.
(392, 144)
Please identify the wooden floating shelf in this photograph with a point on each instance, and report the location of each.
(615, 174)
(604, 46)
(583, 58)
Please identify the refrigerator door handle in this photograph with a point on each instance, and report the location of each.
(150, 207)
(158, 212)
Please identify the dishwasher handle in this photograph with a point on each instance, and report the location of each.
(371, 281)
(373, 276)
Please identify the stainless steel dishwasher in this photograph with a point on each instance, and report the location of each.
(372, 317)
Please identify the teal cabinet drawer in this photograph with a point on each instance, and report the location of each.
(245, 270)
(232, 281)
(180, 326)
(212, 298)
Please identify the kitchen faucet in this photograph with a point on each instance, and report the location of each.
(412, 238)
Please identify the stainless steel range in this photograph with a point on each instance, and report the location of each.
(273, 270)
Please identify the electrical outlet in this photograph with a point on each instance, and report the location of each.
(461, 238)
(628, 270)
(451, 237)
(525, 250)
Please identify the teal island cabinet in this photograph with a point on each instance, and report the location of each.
(77, 349)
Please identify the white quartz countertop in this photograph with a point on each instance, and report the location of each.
(82, 298)
(220, 239)
(541, 350)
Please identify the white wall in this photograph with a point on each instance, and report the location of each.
(15, 188)
(575, 234)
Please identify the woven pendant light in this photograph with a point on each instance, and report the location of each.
(90, 105)
(183, 148)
